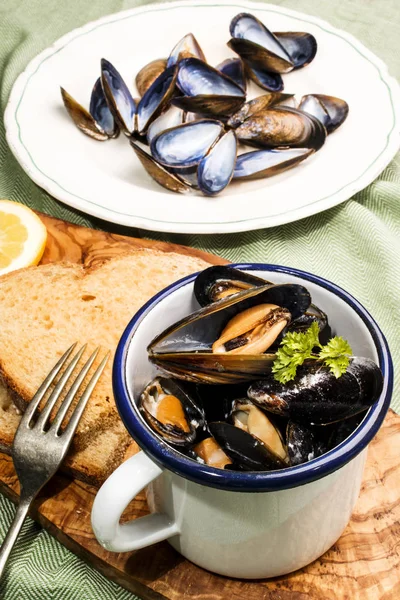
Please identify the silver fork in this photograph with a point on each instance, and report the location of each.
(40, 446)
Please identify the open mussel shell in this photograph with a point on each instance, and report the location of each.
(252, 107)
(215, 170)
(209, 105)
(149, 73)
(300, 46)
(82, 118)
(195, 77)
(100, 112)
(272, 82)
(172, 117)
(156, 99)
(119, 99)
(234, 68)
(282, 126)
(250, 418)
(187, 47)
(257, 45)
(331, 111)
(159, 173)
(266, 163)
(246, 451)
(170, 411)
(317, 397)
(185, 348)
(185, 145)
(218, 282)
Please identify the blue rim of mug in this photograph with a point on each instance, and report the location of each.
(260, 481)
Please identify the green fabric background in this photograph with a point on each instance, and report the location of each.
(356, 245)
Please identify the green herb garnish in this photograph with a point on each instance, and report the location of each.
(297, 347)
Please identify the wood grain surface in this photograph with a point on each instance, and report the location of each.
(363, 564)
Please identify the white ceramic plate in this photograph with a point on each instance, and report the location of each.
(106, 179)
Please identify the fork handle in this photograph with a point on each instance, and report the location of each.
(9, 541)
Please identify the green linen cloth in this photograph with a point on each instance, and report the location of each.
(356, 244)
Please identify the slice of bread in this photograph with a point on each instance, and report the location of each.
(45, 309)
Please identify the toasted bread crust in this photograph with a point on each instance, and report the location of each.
(47, 308)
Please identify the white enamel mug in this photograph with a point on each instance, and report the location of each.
(238, 524)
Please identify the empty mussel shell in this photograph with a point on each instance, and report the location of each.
(119, 99)
(331, 111)
(252, 107)
(300, 46)
(185, 145)
(149, 73)
(215, 170)
(272, 82)
(234, 68)
(187, 47)
(170, 411)
(172, 117)
(159, 173)
(257, 45)
(156, 99)
(282, 126)
(266, 163)
(100, 112)
(82, 118)
(317, 397)
(246, 451)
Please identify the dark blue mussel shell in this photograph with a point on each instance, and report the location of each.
(317, 397)
(119, 98)
(100, 111)
(156, 98)
(216, 168)
(234, 68)
(185, 145)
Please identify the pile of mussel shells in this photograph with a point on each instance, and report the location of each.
(218, 402)
(192, 124)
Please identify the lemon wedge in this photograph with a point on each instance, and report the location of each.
(22, 237)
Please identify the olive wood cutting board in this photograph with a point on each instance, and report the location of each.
(363, 564)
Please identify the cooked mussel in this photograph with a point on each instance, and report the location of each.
(211, 453)
(217, 282)
(282, 126)
(316, 396)
(224, 342)
(247, 452)
(252, 107)
(170, 411)
(248, 417)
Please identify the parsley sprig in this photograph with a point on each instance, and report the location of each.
(297, 347)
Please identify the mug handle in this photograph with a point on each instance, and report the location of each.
(114, 496)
